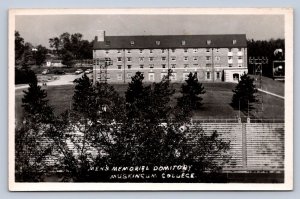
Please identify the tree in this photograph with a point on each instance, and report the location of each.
(83, 95)
(40, 55)
(32, 145)
(191, 92)
(137, 98)
(19, 47)
(89, 129)
(161, 94)
(265, 48)
(35, 103)
(71, 47)
(244, 93)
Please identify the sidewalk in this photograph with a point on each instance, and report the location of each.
(269, 93)
(61, 80)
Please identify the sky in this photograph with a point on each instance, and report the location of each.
(38, 29)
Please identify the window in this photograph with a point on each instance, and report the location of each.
(240, 65)
(128, 75)
(141, 58)
(240, 57)
(183, 42)
(185, 58)
(185, 76)
(151, 77)
(195, 58)
(195, 65)
(186, 65)
(217, 50)
(129, 66)
(107, 43)
(141, 66)
(119, 66)
(229, 49)
(195, 50)
(141, 50)
(208, 65)
(151, 58)
(119, 58)
(218, 58)
(173, 50)
(235, 77)
(208, 42)
(173, 65)
(119, 76)
(151, 65)
(162, 50)
(151, 51)
(240, 50)
(131, 43)
(157, 43)
(207, 58)
(207, 75)
(129, 59)
(234, 41)
(106, 51)
(173, 58)
(173, 77)
(128, 51)
(119, 51)
(208, 50)
(217, 65)
(163, 65)
(218, 75)
(230, 65)
(163, 58)
(229, 57)
(185, 50)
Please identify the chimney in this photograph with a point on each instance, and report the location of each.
(101, 35)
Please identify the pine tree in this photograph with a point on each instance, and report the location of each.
(83, 97)
(35, 103)
(191, 92)
(137, 98)
(31, 141)
(161, 94)
(244, 93)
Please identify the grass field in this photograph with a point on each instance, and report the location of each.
(216, 101)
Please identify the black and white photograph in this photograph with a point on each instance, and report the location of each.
(151, 99)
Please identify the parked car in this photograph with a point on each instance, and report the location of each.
(45, 72)
(78, 71)
(88, 71)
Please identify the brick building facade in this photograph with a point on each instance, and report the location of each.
(215, 58)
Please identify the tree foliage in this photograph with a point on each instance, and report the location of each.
(244, 93)
(19, 46)
(70, 47)
(264, 48)
(32, 145)
(191, 93)
(40, 55)
(104, 129)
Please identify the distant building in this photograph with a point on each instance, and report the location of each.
(215, 58)
(54, 63)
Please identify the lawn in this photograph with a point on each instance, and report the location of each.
(216, 101)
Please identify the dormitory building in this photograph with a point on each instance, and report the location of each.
(215, 58)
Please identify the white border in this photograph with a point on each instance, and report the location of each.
(288, 179)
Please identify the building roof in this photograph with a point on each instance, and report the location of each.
(171, 41)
